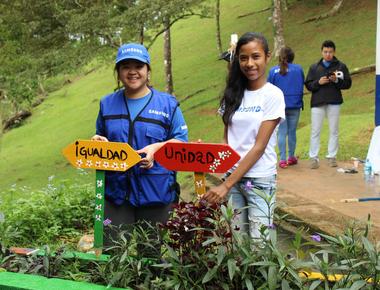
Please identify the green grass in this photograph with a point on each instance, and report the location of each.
(32, 152)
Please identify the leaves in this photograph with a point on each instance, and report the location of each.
(231, 264)
(34, 221)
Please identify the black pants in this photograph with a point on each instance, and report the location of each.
(127, 214)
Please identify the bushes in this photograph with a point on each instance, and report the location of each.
(200, 249)
(59, 211)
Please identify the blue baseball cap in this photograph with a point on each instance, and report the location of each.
(133, 51)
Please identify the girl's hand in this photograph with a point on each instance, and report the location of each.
(99, 138)
(148, 161)
(216, 194)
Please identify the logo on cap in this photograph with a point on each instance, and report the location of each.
(133, 51)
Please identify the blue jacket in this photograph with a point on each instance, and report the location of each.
(140, 187)
(291, 84)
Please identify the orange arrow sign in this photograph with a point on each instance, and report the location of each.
(111, 156)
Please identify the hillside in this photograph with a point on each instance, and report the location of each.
(32, 152)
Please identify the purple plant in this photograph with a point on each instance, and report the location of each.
(316, 238)
(271, 226)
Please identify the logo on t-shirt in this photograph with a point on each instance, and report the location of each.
(253, 109)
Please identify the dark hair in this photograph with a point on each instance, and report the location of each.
(285, 57)
(116, 73)
(236, 81)
(328, 43)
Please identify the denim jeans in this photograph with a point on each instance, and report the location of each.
(288, 128)
(255, 198)
(317, 116)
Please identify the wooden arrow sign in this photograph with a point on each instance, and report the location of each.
(197, 157)
(98, 155)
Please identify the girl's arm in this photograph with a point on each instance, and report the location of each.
(225, 135)
(148, 161)
(178, 133)
(216, 194)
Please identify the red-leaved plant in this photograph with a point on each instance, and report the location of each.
(192, 225)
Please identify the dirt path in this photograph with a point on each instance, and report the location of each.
(314, 196)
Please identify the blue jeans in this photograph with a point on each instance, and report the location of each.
(288, 128)
(255, 198)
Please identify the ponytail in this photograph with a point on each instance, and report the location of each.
(286, 56)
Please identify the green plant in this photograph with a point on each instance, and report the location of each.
(218, 256)
(210, 253)
(61, 210)
(128, 265)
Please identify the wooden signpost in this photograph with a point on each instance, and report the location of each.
(197, 157)
(111, 156)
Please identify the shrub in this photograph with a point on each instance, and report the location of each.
(58, 211)
(201, 249)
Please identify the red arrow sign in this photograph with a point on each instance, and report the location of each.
(197, 157)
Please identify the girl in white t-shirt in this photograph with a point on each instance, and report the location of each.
(251, 110)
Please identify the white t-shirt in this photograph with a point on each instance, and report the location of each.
(266, 103)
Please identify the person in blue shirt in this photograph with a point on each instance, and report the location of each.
(289, 77)
(146, 119)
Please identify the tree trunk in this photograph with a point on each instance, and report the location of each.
(278, 28)
(141, 35)
(217, 18)
(168, 59)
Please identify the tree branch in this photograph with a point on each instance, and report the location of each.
(254, 12)
(332, 12)
(170, 25)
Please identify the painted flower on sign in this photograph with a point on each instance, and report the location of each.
(199, 183)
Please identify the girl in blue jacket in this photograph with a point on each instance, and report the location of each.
(146, 119)
(289, 78)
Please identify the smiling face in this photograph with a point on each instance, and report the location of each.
(134, 75)
(253, 62)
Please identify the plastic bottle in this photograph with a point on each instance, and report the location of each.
(369, 177)
(367, 168)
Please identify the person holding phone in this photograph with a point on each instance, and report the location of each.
(325, 80)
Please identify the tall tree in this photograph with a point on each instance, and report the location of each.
(217, 19)
(165, 14)
(168, 59)
(278, 29)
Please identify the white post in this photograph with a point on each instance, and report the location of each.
(374, 147)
